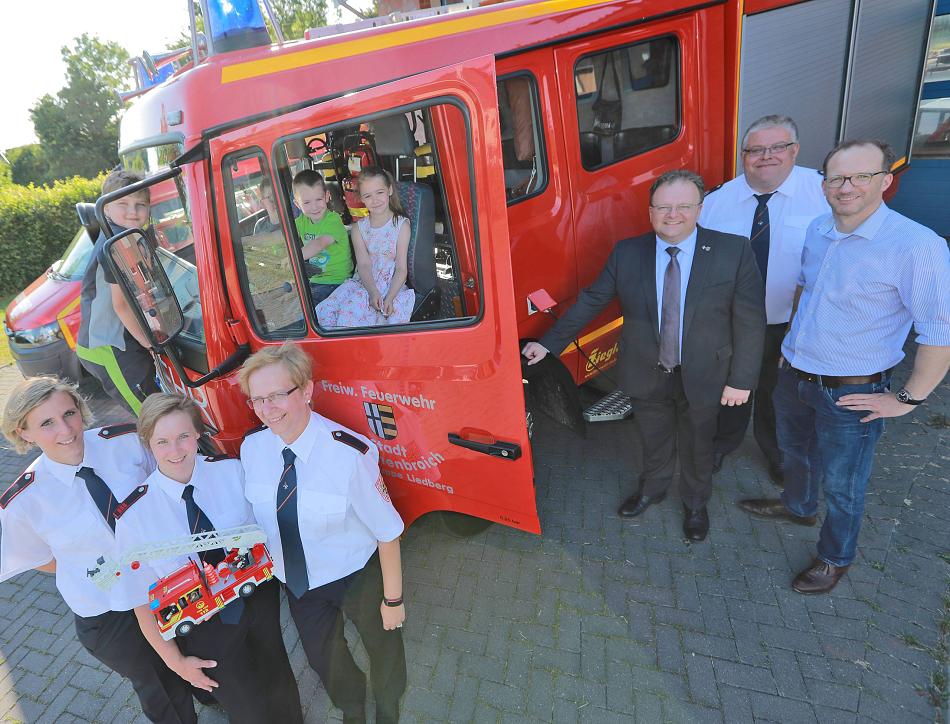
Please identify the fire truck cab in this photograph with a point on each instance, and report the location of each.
(523, 137)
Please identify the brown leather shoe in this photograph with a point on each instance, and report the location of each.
(774, 509)
(819, 577)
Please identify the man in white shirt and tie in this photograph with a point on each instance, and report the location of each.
(772, 203)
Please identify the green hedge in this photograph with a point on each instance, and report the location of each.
(36, 225)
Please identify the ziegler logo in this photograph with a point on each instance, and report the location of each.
(599, 359)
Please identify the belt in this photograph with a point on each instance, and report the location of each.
(832, 381)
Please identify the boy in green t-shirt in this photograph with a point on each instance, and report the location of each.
(326, 244)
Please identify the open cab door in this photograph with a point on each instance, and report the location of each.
(440, 394)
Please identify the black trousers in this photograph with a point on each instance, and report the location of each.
(255, 681)
(670, 428)
(115, 639)
(733, 421)
(318, 615)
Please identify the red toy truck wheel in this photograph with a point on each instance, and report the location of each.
(184, 628)
(247, 589)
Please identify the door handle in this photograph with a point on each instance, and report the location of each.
(497, 449)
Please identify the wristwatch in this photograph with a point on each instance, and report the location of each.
(904, 396)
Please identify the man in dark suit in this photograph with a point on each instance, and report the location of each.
(694, 325)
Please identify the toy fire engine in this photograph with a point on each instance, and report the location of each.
(196, 592)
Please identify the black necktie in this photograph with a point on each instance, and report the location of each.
(101, 494)
(295, 562)
(759, 236)
(670, 313)
(198, 522)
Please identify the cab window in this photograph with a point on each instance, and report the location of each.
(522, 147)
(261, 251)
(628, 100)
(170, 229)
(426, 150)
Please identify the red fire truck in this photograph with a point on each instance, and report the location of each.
(524, 137)
(193, 593)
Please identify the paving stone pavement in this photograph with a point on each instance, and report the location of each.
(603, 620)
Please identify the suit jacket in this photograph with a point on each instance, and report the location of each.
(723, 322)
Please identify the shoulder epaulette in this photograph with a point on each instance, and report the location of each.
(18, 486)
(348, 439)
(127, 503)
(217, 458)
(716, 188)
(250, 432)
(112, 431)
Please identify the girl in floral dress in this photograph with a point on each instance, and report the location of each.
(377, 294)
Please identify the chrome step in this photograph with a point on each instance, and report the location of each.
(615, 406)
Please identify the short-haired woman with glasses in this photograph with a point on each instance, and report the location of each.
(333, 533)
(59, 517)
(238, 654)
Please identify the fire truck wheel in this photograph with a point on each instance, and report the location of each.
(461, 525)
(184, 628)
(247, 589)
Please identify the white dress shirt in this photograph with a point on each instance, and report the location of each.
(343, 508)
(161, 514)
(56, 517)
(687, 249)
(792, 208)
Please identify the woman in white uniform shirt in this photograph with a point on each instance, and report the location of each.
(59, 517)
(239, 653)
(316, 490)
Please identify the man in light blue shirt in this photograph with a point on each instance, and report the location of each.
(868, 275)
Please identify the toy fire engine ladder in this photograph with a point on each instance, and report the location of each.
(242, 537)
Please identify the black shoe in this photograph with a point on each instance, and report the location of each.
(636, 504)
(776, 475)
(695, 523)
(206, 698)
(774, 509)
(718, 459)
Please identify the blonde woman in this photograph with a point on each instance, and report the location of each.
(334, 534)
(59, 517)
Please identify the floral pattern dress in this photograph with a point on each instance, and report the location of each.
(348, 305)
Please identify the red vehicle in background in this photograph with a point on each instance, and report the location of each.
(524, 138)
(42, 321)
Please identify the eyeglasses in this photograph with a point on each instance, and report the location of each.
(857, 179)
(680, 208)
(774, 150)
(274, 398)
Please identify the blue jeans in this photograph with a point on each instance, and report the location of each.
(827, 446)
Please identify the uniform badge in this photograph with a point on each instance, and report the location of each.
(381, 419)
(383, 490)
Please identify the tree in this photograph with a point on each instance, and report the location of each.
(297, 16)
(29, 165)
(78, 128)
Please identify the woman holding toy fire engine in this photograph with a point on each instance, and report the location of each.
(58, 517)
(238, 654)
(332, 532)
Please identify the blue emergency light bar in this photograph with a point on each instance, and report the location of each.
(235, 24)
(153, 604)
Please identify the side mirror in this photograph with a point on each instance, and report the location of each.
(136, 265)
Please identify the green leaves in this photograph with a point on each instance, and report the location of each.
(78, 127)
(36, 224)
